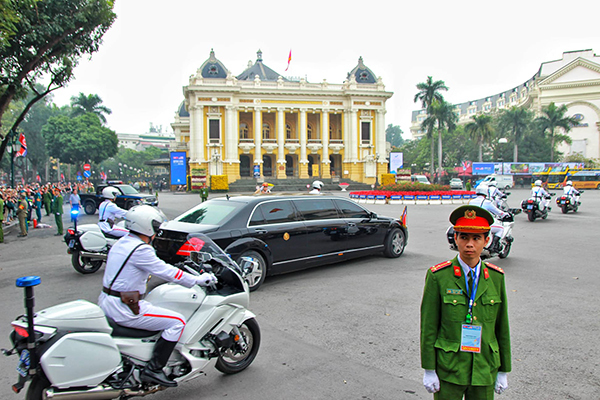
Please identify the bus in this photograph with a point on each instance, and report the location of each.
(586, 179)
(542, 175)
(559, 175)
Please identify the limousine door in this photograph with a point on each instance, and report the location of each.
(277, 224)
(363, 232)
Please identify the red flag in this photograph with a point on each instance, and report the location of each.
(289, 59)
(403, 217)
(23, 150)
(37, 178)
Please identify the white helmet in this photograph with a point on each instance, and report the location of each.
(317, 185)
(110, 192)
(538, 183)
(481, 191)
(144, 219)
(492, 183)
(569, 183)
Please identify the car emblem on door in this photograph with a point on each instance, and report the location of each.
(286, 236)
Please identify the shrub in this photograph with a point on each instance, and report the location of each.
(219, 183)
(388, 179)
(413, 187)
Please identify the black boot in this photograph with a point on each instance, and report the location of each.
(153, 372)
(495, 247)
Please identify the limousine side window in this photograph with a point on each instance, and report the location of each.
(277, 212)
(257, 217)
(314, 209)
(351, 210)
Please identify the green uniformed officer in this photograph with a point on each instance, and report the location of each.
(204, 193)
(465, 337)
(22, 209)
(57, 210)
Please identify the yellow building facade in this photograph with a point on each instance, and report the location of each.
(260, 124)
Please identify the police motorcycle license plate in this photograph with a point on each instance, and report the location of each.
(563, 202)
(71, 243)
(24, 362)
(530, 207)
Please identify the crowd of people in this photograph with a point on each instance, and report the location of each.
(27, 203)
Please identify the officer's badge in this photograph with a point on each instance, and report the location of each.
(470, 214)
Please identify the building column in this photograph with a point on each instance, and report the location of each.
(380, 146)
(231, 164)
(303, 165)
(325, 163)
(258, 138)
(280, 143)
(197, 134)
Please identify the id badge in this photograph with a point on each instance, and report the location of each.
(470, 338)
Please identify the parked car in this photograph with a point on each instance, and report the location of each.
(283, 233)
(456, 183)
(502, 181)
(128, 198)
(420, 179)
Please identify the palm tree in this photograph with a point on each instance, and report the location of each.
(554, 117)
(481, 130)
(92, 103)
(443, 113)
(428, 92)
(515, 121)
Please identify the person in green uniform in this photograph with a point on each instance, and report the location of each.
(204, 193)
(22, 209)
(1, 218)
(465, 337)
(57, 210)
(47, 200)
(37, 202)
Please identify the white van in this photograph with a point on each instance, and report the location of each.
(420, 179)
(502, 181)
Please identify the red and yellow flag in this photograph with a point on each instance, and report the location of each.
(289, 59)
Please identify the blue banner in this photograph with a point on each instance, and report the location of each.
(178, 168)
(483, 168)
(396, 161)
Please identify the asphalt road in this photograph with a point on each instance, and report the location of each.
(351, 331)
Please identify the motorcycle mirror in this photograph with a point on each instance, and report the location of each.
(200, 257)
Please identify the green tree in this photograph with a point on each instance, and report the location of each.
(514, 123)
(428, 92)
(80, 139)
(393, 135)
(552, 118)
(92, 103)
(48, 39)
(480, 129)
(443, 113)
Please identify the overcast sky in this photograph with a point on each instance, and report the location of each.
(478, 48)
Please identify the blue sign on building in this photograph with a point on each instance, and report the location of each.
(178, 168)
(483, 168)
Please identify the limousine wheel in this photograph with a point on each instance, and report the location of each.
(257, 277)
(394, 244)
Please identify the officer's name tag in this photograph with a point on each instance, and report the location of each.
(470, 338)
(454, 291)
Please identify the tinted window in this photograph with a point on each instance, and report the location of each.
(276, 212)
(351, 210)
(210, 213)
(316, 209)
(126, 189)
(257, 217)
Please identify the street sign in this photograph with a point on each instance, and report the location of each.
(87, 174)
(87, 167)
(79, 178)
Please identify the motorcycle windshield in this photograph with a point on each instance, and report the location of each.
(201, 242)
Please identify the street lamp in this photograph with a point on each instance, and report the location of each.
(502, 141)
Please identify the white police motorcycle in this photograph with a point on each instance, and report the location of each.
(73, 351)
(505, 242)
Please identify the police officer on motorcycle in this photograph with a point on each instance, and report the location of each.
(130, 262)
(541, 195)
(109, 212)
(572, 193)
(494, 194)
(496, 230)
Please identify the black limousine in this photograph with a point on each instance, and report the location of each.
(283, 233)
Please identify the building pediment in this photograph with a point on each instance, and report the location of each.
(578, 72)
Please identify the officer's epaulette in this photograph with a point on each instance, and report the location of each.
(495, 267)
(440, 266)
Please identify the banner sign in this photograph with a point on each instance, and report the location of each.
(396, 161)
(483, 168)
(178, 168)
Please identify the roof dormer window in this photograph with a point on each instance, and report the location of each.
(213, 70)
(364, 76)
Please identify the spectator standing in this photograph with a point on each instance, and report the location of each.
(22, 214)
(1, 218)
(75, 201)
(46, 199)
(37, 203)
(57, 210)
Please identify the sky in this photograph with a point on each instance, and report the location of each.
(478, 48)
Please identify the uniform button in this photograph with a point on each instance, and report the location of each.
(474, 318)
(474, 304)
(492, 301)
(454, 301)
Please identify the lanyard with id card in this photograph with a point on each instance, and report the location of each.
(470, 335)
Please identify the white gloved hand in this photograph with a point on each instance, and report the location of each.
(431, 381)
(501, 382)
(206, 279)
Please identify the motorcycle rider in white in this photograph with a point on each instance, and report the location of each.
(571, 192)
(130, 262)
(109, 211)
(496, 230)
(494, 195)
(540, 195)
(317, 186)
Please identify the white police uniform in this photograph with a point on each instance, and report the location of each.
(109, 210)
(133, 277)
(540, 194)
(495, 195)
(496, 228)
(572, 193)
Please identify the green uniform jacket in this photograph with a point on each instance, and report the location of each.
(22, 207)
(57, 205)
(443, 311)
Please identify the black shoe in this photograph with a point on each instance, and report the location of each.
(21, 235)
(153, 372)
(156, 377)
(58, 234)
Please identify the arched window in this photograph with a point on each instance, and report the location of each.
(244, 134)
(266, 131)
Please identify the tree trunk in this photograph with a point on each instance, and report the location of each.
(439, 154)
(480, 151)
(552, 145)
(515, 153)
(431, 165)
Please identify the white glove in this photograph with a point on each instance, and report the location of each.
(501, 382)
(431, 381)
(206, 279)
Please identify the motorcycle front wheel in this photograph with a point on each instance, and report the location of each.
(232, 361)
(36, 388)
(84, 265)
(505, 250)
(531, 216)
(565, 209)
